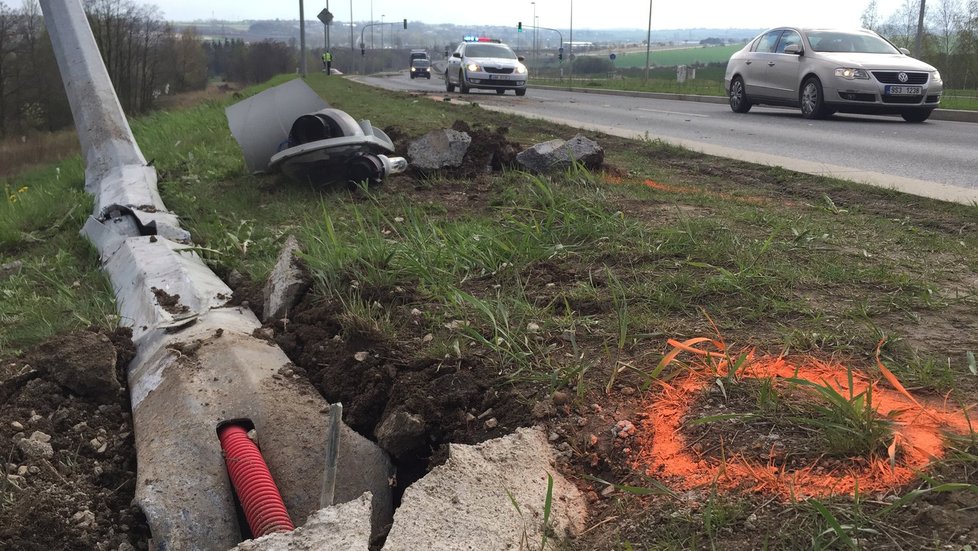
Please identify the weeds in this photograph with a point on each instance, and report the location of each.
(849, 424)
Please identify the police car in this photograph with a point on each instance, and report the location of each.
(485, 63)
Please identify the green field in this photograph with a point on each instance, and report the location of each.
(683, 56)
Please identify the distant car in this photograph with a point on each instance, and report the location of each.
(420, 68)
(828, 71)
(491, 65)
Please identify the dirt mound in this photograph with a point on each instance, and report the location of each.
(456, 400)
(69, 460)
(489, 151)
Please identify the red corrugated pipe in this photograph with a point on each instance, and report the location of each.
(259, 497)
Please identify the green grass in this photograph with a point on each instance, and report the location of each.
(679, 56)
(848, 423)
(562, 281)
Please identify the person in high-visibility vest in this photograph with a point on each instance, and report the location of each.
(328, 62)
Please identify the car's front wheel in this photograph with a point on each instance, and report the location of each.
(449, 87)
(739, 103)
(521, 91)
(500, 91)
(462, 87)
(812, 101)
(915, 116)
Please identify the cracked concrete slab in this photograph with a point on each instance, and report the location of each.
(345, 526)
(468, 502)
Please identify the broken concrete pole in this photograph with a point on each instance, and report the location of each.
(288, 282)
(401, 432)
(197, 363)
(465, 503)
(345, 526)
(557, 155)
(83, 362)
(439, 149)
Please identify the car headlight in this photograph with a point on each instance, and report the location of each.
(850, 73)
(935, 76)
(520, 69)
(412, 69)
(474, 67)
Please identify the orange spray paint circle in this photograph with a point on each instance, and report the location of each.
(918, 428)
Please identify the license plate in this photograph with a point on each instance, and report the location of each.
(498, 77)
(903, 90)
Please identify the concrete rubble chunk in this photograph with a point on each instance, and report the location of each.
(10, 269)
(37, 446)
(345, 526)
(287, 282)
(465, 503)
(439, 149)
(400, 432)
(557, 155)
(83, 362)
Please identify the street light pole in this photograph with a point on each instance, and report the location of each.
(648, 44)
(570, 43)
(371, 22)
(302, 39)
(534, 48)
(382, 31)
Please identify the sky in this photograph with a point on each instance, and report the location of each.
(588, 14)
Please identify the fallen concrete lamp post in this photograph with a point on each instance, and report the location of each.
(289, 128)
(198, 369)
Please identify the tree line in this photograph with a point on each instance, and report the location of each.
(146, 57)
(949, 41)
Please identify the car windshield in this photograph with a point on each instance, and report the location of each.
(834, 41)
(420, 63)
(489, 50)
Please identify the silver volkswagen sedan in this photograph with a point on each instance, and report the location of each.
(829, 71)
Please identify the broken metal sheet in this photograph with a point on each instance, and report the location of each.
(133, 189)
(261, 123)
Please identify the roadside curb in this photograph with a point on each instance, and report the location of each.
(955, 115)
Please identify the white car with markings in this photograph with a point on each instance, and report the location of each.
(486, 64)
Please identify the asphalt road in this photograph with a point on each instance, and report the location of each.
(935, 159)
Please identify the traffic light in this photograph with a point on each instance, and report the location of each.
(519, 27)
(405, 24)
(560, 54)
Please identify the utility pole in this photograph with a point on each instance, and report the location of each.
(920, 31)
(570, 42)
(648, 44)
(351, 27)
(534, 48)
(302, 39)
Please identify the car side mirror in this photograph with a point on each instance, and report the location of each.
(458, 55)
(794, 49)
(520, 58)
(904, 51)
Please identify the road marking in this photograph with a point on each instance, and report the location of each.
(674, 112)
